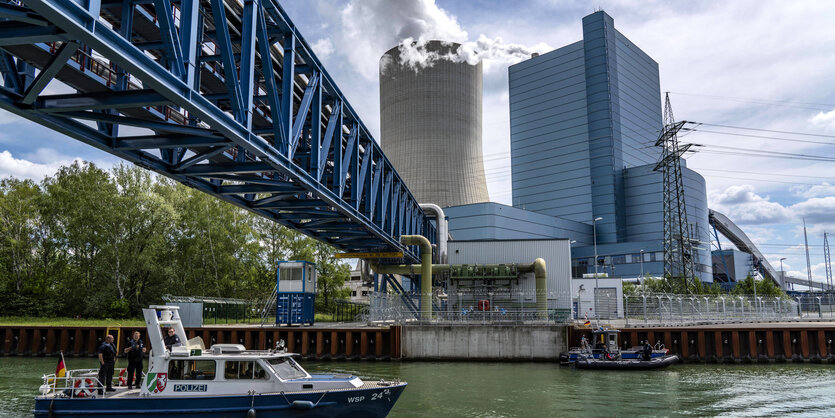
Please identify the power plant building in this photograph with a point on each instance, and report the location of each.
(584, 119)
(431, 123)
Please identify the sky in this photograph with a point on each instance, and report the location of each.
(766, 66)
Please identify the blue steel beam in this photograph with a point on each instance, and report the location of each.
(48, 73)
(244, 158)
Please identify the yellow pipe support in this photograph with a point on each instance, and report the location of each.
(425, 272)
(538, 268)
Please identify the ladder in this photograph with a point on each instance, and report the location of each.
(268, 311)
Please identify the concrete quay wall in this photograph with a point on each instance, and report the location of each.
(483, 342)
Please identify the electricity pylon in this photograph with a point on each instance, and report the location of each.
(678, 247)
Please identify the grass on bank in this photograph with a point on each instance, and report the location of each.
(69, 322)
(129, 322)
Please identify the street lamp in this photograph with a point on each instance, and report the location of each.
(594, 228)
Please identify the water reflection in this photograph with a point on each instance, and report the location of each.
(542, 389)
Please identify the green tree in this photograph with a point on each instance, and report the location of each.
(331, 277)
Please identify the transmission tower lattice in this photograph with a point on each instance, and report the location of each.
(678, 247)
(827, 260)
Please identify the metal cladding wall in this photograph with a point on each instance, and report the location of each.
(579, 115)
(555, 252)
(739, 264)
(431, 126)
(490, 220)
(645, 211)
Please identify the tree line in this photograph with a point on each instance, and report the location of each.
(95, 243)
(744, 287)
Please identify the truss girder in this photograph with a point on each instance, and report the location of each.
(228, 98)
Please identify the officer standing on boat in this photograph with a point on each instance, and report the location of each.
(171, 340)
(107, 358)
(134, 353)
(647, 354)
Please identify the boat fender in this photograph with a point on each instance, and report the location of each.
(302, 405)
(250, 413)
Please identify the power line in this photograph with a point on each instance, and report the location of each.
(764, 137)
(787, 103)
(764, 130)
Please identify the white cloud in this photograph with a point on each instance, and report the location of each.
(323, 48)
(495, 53)
(827, 119)
(744, 206)
(22, 168)
(370, 27)
(817, 210)
(818, 190)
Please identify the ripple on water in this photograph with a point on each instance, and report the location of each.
(543, 389)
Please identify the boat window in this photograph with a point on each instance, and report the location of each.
(191, 370)
(286, 368)
(243, 370)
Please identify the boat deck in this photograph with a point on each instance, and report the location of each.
(122, 392)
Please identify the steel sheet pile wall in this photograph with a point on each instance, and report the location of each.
(312, 343)
(734, 343)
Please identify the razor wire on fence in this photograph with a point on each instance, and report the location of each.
(650, 309)
(815, 305)
(673, 309)
(499, 307)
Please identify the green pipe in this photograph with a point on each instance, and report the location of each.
(425, 272)
(537, 267)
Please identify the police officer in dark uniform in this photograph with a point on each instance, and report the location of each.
(172, 339)
(647, 353)
(134, 351)
(107, 358)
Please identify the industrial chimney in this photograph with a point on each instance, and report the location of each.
(430, 110)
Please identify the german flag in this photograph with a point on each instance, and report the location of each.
(61, 369)
(587, 323)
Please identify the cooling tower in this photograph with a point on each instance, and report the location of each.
(431, 124)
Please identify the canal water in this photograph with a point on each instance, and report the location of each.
(542, 389)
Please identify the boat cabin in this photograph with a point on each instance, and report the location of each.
(606, 338)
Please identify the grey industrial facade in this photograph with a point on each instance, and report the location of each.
(583, 122)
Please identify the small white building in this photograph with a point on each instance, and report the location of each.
(361, 283)
(609, 297)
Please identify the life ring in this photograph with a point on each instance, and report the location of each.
(84, 387)
(123, 377)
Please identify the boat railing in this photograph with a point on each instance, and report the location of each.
(76, 383)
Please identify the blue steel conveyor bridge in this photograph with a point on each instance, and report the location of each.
(224, 96)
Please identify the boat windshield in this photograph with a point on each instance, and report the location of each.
(286, 368)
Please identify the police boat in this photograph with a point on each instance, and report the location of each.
(604, 347)
(224, 381)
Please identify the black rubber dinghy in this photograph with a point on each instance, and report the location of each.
(656, 363)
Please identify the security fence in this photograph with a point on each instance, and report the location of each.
(347, 311)
(671, 309)
(815, 305)
(501, 307)
(650, 309)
